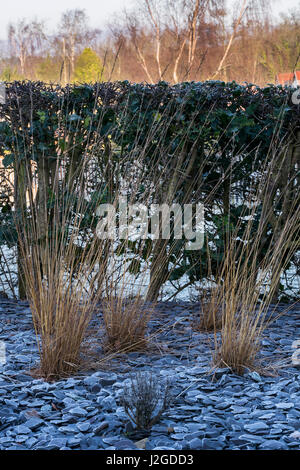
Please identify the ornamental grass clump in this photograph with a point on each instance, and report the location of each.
(125, 323)
(248, 291)
(209, 316)
(57, 267)
(250, 277)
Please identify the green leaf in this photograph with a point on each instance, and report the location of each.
(87, 121)
(8, 160)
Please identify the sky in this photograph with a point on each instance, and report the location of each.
(98, 11)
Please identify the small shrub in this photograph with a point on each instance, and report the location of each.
(145, 400)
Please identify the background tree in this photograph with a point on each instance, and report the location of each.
(48, 69)
(73, 35)
(10, 73)
(281, 50)
(25, 39)
(88, 67)
(170, 40)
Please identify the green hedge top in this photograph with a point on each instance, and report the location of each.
(35, 114)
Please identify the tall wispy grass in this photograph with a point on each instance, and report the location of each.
(243, 302)
(69, 272)
(57, 265)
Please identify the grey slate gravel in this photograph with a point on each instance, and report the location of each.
(214, 411)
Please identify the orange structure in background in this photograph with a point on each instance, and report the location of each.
(290, 78)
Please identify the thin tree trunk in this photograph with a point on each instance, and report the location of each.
(288, 187)
(143, 63)
(42, 219)
(193, 37)
(175, 76)
(220, 67)
(157, 38)
(65, 61)
(20, 189)
(159, 269)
